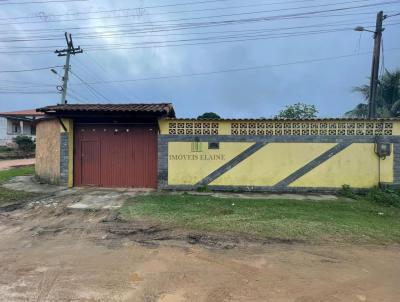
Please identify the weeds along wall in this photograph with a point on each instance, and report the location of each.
(276, 155)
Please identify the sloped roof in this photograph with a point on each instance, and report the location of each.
(28, 112)
(159, 108)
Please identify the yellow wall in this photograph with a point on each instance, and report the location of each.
(356, 165)
(271, 164)
(198, 164)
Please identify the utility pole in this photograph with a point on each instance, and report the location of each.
(67, 53)
(375, 65)
(373, 87)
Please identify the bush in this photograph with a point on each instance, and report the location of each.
(203, 189)
(347, 191)
(384, 197)
(25, 143)
(5, 149)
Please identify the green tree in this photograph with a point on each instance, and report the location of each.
(387, 97)
(209, 115)
(298, 111)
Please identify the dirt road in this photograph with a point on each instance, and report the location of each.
(9, 163)
(49, 253)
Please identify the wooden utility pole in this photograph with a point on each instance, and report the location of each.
(67, 53)
(375, 65)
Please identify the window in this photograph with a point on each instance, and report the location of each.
(196, 146)
(213, 145)
(15, 127)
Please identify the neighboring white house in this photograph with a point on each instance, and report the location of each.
(17, 123)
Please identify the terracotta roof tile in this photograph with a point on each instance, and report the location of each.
(160, 108)
(29, 112)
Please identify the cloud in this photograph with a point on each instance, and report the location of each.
(261, 92)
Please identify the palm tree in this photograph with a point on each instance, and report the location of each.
(387, 97)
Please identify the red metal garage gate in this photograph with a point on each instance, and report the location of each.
(115, 156)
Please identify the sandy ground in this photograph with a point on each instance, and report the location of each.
(49, 252)
(9, 163)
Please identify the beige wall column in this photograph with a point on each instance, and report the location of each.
(48, 151)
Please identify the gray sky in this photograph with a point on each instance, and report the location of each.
(272, 43)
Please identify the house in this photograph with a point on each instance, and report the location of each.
(15, 123)
(110, 145)
(145, 145)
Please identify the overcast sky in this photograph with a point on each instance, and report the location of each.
(238, 58)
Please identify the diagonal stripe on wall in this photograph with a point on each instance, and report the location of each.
(232, 163)
(312, 164)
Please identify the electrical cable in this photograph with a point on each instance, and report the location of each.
(239, 69)
(39, 16)
(87, 69)
(209, 40)
(90, 88)
(191, 11)
(41, 2)
(389, 16)
(224, 22)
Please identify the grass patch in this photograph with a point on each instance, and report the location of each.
(342, 220)
(5, 149)
(8, 196)
(6, 175)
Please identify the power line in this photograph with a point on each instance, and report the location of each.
(77, 96)
(146, 29)
(319, 25)
(88, 85)
(87, 70)
(238, 69)
(27, 92)
(203, 41)
(153, 25)
(138, 10)
(208, 42)
(150, 44)
(206, 38)
(141, 35)
(249, 68)
(198, 10)
(26, 83)
(138, 31)
(233, 31)
(40, 2)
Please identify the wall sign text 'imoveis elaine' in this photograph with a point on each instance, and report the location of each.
(196, 157)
